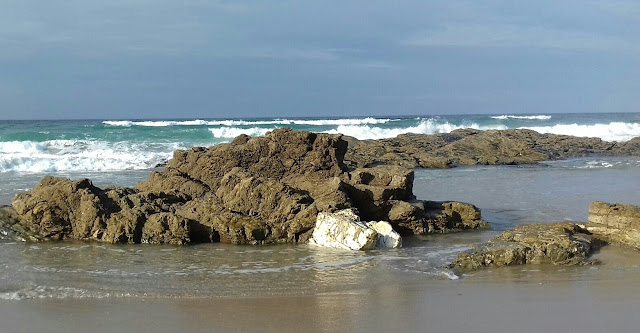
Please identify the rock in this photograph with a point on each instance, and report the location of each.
(383, 183)
(471, 147)
(344, 230)
(560, 243)
(428, 217)
(615, 223)
(387, 237)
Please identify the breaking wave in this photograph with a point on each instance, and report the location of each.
(425, 126)
(232, 132)
(199, 122)
(614, 131)
(81, 155)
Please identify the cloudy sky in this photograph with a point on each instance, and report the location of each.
(220, 59)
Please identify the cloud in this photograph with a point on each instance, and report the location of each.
(302, 54)
(536, 37)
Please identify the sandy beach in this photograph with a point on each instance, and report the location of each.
(532, 299)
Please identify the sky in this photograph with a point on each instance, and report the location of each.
(132, 59)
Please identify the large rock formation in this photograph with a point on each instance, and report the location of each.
(471, 147)
(251, 191)
(561, 243)
(615, 223)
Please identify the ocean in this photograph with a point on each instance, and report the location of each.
(122, 152)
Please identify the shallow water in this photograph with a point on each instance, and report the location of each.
(507, 195)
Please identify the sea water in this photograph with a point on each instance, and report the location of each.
(508, 195)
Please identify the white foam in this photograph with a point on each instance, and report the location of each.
(199, 122)
(538, 117)
(232, 132)
(40, 292)
(81, 155)
(614, 131)
(426, 126)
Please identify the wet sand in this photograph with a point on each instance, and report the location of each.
(536, 298)
(433, 306)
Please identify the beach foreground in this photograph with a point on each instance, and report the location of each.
(512, 300)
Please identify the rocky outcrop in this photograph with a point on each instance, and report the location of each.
(251, 191)
(428, 217)
(471, 147)
(344, 230)
(560, 244)
(615, 223)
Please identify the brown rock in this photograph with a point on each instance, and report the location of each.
(427, 217)
(615, 223)
(471, 147)
(561, 243)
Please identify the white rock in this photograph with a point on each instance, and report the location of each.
(387, 237)
(344, 230)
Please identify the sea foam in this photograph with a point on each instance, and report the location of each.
(614, 131)
(425, 126)
(232, 132)
(80, 155)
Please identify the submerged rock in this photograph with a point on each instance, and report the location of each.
(615, 223)
(344, 230)
(251, 191)
(560, 244)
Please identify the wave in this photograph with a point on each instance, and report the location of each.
(538, 117)
(199, 122)
(425, 126)
(81, 155)
(232, 132)
(149, 123)
(614, 131)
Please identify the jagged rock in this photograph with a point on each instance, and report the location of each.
(615, 223)
(344, 230)
(427, 217)
(560, 243)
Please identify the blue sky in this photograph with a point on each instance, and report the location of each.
(220, 59)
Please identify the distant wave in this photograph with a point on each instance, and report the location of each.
(614, 131)
(425, 126)
(539, 117)
(81, 155)
(199, 122)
